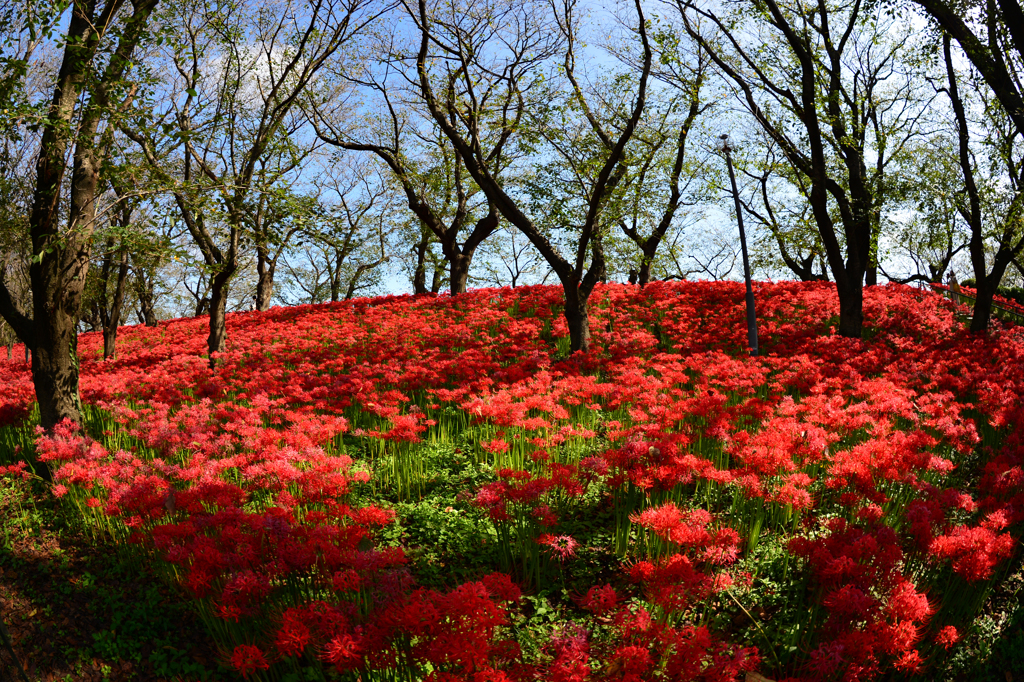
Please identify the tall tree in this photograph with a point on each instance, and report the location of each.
(776, 199)
(348, 239)
(668, 174)
(828, 82)
(240, 72)
(431, 172)
(104, 304)
(90, 91)
(475, 65)
(991, 34)
(1003, 228)
(932, 229)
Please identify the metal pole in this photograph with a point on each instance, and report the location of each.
(751, 314)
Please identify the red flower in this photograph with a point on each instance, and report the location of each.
(562, 547)
(247, 659)
(947, 637)
(343, 652)
(600, 600)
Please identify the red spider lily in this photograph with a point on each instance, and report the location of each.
(561, 547)
(248, 659)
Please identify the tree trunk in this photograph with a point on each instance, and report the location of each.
(643, 275)
(982, 312)
(218, 314)
(577, 319)
(986, 288)
(147, 309)
(437, 280)
(851, 309)
(459, 272)
(871, 275)
(55, 369)
(114, 319)
(419, 276)
(265, 280)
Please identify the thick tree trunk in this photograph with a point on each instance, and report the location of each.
(986, 289)
(216, 342)
(55, 369)
(459, 272)
(982, 312)
(851, 309)
(577, 319)
(643, 275)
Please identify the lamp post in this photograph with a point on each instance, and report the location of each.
(751, 314)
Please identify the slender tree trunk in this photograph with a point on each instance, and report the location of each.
(419, 275)
(114, 319)
(216, 343)
(265, 267)
(437, 280)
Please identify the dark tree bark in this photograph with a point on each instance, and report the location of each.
(106, 306)
(265, 267)
(114, 320)
(61, 251)
(419, 273)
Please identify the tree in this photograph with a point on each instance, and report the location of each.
(509, 259)
(347, 239)
(1003, 191)
(827, 82)
(431, 173)
(470, 85)
(90, 92)
(239, 76)
(991, 34)
(778, 203)
(933, 231)
(103, 306)
(663, 177)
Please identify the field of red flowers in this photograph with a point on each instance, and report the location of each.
(432, 488)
